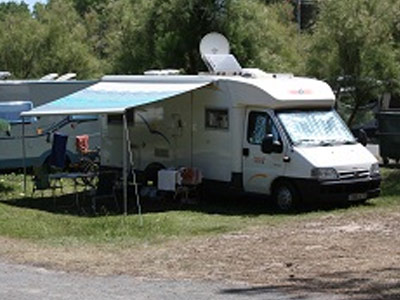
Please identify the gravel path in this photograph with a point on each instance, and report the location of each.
(21, 282)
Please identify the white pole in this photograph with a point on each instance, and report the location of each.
(24, 152)
(125, 162)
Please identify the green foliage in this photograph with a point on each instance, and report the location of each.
(353, 40)
(52, 41)
(357, 41)
(10, 8)
(166, 34)
(20, 45)
(270, 41)
(64, 46)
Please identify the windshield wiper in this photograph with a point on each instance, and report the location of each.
(326, 143)
(349, 142)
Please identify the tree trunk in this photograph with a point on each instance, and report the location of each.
(353, 114)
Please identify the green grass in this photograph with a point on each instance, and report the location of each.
(37, 219)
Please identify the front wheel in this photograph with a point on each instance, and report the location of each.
(285, 195)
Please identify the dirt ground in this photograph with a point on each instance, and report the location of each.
(357, 257)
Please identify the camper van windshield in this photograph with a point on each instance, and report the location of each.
(315, 127)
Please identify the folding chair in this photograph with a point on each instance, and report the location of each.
(41, 181)
(106, 188)
(58, 154)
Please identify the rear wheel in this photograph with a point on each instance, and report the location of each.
(285, 195)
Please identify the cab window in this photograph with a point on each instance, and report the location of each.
(260, 125)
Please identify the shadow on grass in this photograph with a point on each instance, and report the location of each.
(381, 284)
(245, 205)
(79, 204)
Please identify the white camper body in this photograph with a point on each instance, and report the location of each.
(17, 96)
(263, 133)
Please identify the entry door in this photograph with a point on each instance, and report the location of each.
(260, 169)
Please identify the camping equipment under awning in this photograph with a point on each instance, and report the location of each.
(115, 95)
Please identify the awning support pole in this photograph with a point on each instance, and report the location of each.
(24, 153)
(125, 163)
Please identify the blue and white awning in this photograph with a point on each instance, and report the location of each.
(116, 94)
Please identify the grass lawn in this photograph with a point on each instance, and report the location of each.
(60, 222)
(351, 251)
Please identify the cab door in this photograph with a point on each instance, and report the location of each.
(259, 168)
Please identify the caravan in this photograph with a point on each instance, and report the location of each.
(243, 129)
(18, 96)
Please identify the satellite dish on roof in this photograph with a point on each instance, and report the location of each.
(214, 50)
(214, 43)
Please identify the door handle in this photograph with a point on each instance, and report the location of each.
(246, 152)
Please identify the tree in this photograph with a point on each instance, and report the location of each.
(20, 44)
(85, 6)
(265, 36)
(353, 46)
(8, 8)
(166, 34)
(64, 44)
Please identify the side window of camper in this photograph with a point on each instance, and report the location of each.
(217, 118)
(83, 118)
(260, 125)
(11, 112)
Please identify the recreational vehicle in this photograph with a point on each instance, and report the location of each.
(17, 96)
(244, 129)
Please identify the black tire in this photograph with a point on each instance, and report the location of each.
(285, 196)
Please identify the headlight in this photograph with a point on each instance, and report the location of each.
(324, 173)
(374, 170)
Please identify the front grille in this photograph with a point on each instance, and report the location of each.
(354, 174)
(350, 187)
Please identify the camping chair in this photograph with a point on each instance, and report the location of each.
(89, 161)
(41, 181)
(106, 188)
(58, 154)
(41, 174)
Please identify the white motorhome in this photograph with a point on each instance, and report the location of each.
(269, 134)
(17, 96)
(272, 134)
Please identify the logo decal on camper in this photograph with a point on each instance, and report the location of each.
(257, 176)
(259, 160)
(300, 92)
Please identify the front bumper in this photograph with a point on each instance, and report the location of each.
(339, 190)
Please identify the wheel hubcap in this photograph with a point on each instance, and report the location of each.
(284, 198)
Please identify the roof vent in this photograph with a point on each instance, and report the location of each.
(50, 76)
(66, 77)
(162, 72)
(214, 50)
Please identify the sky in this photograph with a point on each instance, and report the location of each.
(29, 2)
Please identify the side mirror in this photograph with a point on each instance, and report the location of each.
(362, 137)
(268, 145)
